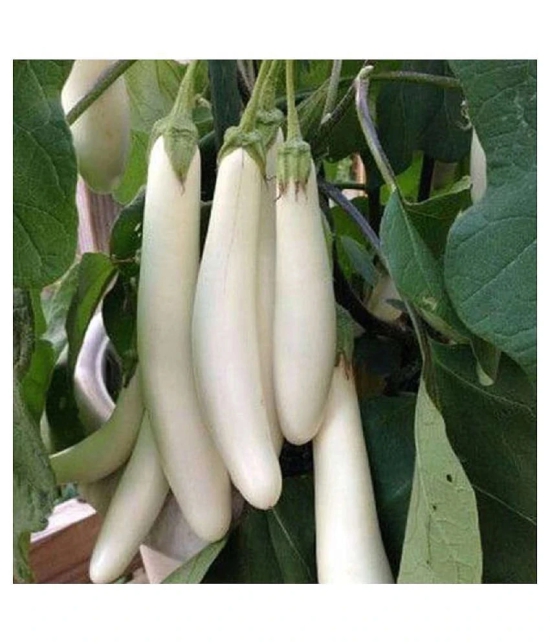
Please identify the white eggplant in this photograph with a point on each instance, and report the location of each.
(225, 333)
(101, 135)
(349, 548)
(139, 497)
(266, 286)
(105, 450)
(305, 320)
(168, 276)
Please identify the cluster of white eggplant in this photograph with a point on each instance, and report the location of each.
(237, 352)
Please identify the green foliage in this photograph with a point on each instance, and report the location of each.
(408, 239)
(493, 431)
(152, 86)
(44, 175)
(490, 265)
(388, 424)
(94, 276)
(34, 489)
(272, 547)
(442, 540)
(193, 571)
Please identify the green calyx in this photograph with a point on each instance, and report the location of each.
(178, 129)
(252, 142)
(268, 123)
(180, 141)
(258, 121)
(294, 164)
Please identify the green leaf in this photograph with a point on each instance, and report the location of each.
(360, 259)
(34, 385)
(55, 303)
(272, 547)
(490, 263)
(388, 424)
(23, 331)
(126, 237)
(94, 276)
(64, 425)
(34, 489)
(416, 271)
(119, 312)
(152, 86)
(44, 175)
(193, 571)
(415, 116)
(291, 527)
(442, 541)
(493, 431)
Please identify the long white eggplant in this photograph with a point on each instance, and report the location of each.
(305, 321)
(105, 450)
(225, 333)
(349, 548)
(168, 276)
(101, 135)
(136, 504)
(266, 286)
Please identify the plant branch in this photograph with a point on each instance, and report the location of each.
(361, 85)
(445, 82)
(104, 81)
(336, 115)
(332, 91)
(336, 195)
(293, 127)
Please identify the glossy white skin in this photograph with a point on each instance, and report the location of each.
(226, 352)
(168, 277)
(349, 548)
(266, 287)
(478, 169)
(101, 135)
(105, 450)
(136, 504)
(305, 319)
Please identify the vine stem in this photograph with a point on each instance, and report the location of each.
(185, 98)
(368, 127)
(445, 82)
(334, 193)
(293, 127)
(104, 81)
(332, 91)
(249, 115)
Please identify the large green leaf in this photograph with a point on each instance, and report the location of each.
(388, 428)
(44, 175)
(34, 489)
(408, 237)
(193, 571)
(56, 303)
(493, 431)
(94, 276)
(490, 264)
(275, 546)
(415, 116)
(23, 331)
(442, 541)
(34, 385)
